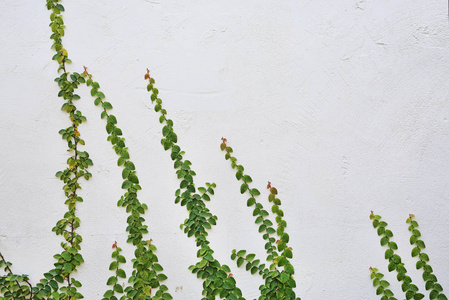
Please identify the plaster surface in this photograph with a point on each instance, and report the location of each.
(342, 105)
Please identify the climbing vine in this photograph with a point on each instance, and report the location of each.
(217, 278)
(59, 283)
(147, 276)
(395, 263)
(279, 283)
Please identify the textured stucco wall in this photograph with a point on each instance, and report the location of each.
(342, 105)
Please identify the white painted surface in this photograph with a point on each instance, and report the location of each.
(342, 105)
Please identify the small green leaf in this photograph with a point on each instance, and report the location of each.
(112, 119)
(112, 280)
(126, 184)
(243, 188)
(250, 257)
(251, 201)
(240, 261)
(118, 288)
(113, 265)
(107, 105)
(247, 179)
(161, 277)
(121, 273)
(254, 192)
(285, 238)
(130, 165)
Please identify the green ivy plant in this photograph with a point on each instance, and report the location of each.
(395, 263)
(279, 283)
(147, 276)
(217, 278)
(59, 283)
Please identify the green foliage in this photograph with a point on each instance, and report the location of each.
(279, 281)
(147, 276)
(217, 278)
(59, 282)
(382, 285)
(13, 286)
(395, 263)
(432, 285)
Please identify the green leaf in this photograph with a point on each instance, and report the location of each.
(424, 257)
(166, 130)
(250, 257)
(112, 119)
(121, 259)
(121, 273)
(391, 266)
(420, 244)
(146, 290)
(433, 294)
(161, 277)
(66, 255)
(107, 105)
(240, 261)
(255, 192)
(284, 277)
(130, 165)
(68, 267)
(243, 188)
(419, 264)
(251, 201)
(126, 184)
(113, 265)
(157, 267)
(384, 283)
(226, 268)
(393, 245)
(247, 179)
(285, 238)
(77, 283)
(388, 253)
(133, 178)
(54, 285)
(415, 251)
(379, 290)
(118, 288)
(289, 269)
(112, 280)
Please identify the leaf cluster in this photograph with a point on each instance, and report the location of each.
(217, 279)
(279, 284)
(432, 285)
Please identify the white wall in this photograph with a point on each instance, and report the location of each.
(342, 105)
